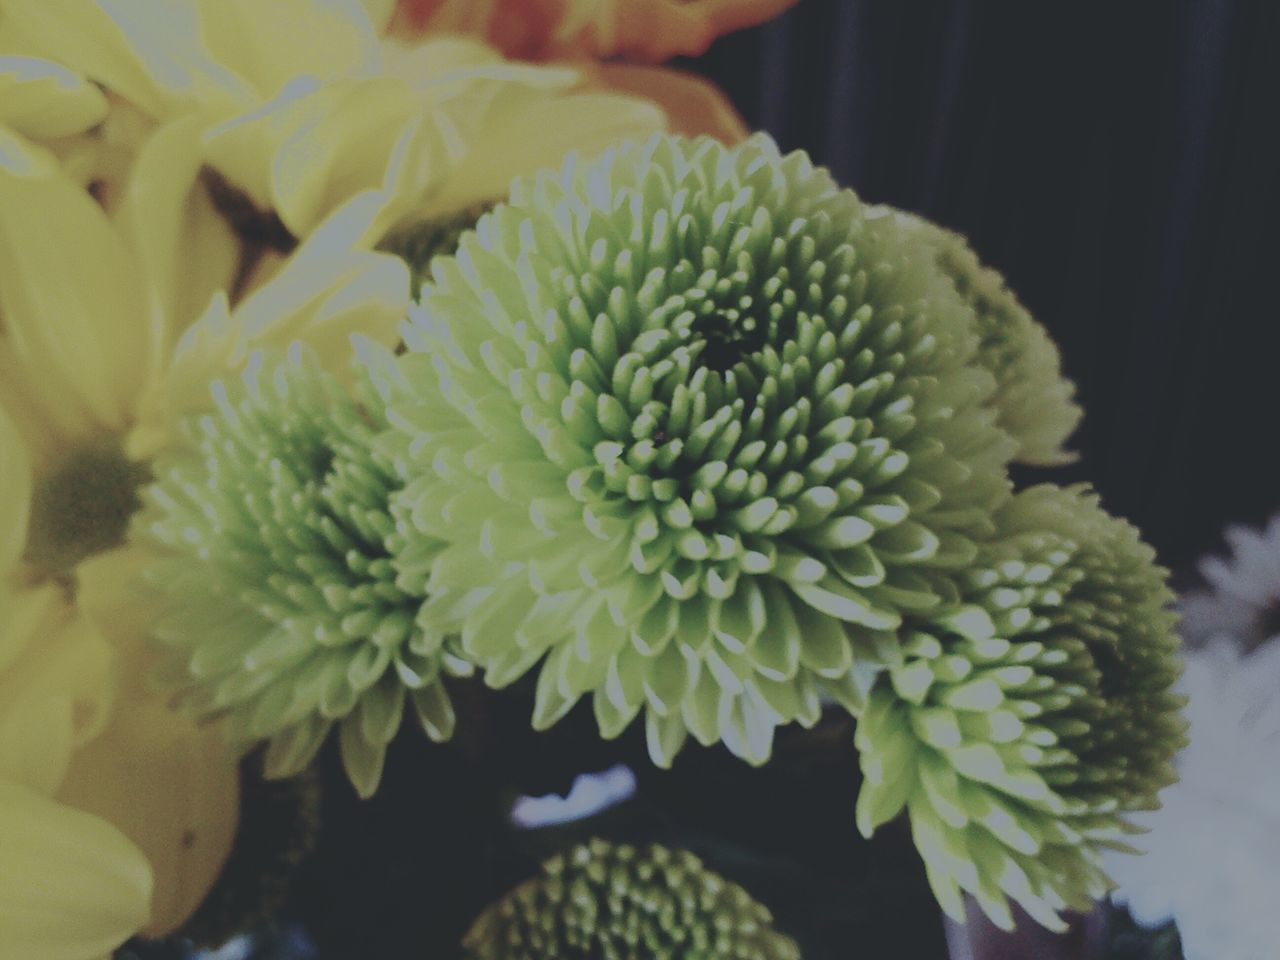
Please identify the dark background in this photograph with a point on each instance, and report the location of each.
(1118, 161)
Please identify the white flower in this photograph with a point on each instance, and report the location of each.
(1212, 858)
(1244, 596)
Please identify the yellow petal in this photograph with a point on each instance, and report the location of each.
(21, 158)
(72, 886)
(330, 288)
(171, 788)
(70, 296)
(380, 13)
(269, 44)
(168, 784)
(185, 249)
(15, 495)
(343, 148)
(205, 352)
(148, 51)
(42, 99)
(520, 139)
(694, 106)
(56, 689)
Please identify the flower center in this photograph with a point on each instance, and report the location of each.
(83, 507)
(729, 335)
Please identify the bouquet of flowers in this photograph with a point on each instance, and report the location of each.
(369, 366)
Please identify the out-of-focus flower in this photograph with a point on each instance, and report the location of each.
(1243, 598)
(1025, 725)
(649, 31)
(690, 426)
(1211, 858)
(1034, 402)
(301, 105)
(97, 353)
(72, 884)
(605, 900)
(588, 33)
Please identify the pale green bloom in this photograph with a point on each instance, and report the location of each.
(693, 428)
(275, 564)
(1033, 401)
(1027, 722)
(618, 901)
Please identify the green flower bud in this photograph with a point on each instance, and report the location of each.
(695, 429)
(604, 902)
(276, 566)
(1026, 722)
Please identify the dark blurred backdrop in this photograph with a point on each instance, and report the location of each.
(1118, 161)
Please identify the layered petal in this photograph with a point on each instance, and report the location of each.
(75, 342)
(151, 52)
(72, 886)
(170, 787)
(56, 688)
(43, 100)
(330, 288)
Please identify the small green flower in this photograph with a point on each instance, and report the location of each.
(1033, 401)
(604, 902)
(275, 564)
(1026, 722)
(694, 428)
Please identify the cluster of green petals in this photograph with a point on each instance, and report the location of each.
(1034, 403)
(1025, 722)
(274, 561)
(695, 429)
(601, 901)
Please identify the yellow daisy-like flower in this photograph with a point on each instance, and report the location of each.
(302, 105)
(116, 813)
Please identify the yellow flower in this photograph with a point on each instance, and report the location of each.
(590, 32)
(116, 813)
(640, 30)
(302, 104)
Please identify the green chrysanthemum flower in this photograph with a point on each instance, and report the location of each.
(1027, 721)
(604, 902)
(276, 566)
(693, 426)
(1033, 401)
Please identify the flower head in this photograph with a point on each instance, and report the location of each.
(302, 105)
(277, 505)
(606, 900)
(1242, 600)
(1211, 853)
(1033, 401)
(647, 30)
(694, 428)
(1025, 724)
